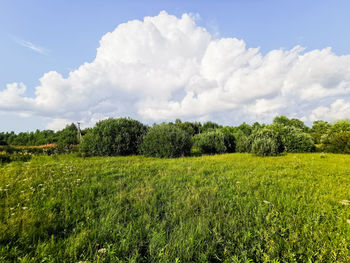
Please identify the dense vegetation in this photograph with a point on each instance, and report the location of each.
(114, 137)
(125, 136)
(166, 140)
(223, 208)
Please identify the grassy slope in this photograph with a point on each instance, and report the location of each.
(224, 208)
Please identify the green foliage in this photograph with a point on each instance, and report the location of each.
(211, 142)
(243, 144)
(294, 139)
(192, 128)
(245, 128)
(68, 136)
(166, 140)
(319, 128)
(337, 139)
(337, 142)
(209, 126)
(14, 157)
(229, 138)
(112, 137)
(222, 208)
(284, 121)
(266, 142)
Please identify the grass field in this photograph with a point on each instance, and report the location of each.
(224, 208)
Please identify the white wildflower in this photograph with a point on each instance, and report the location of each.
(266, 202)
(345, 202)
(102, 250)
(24, 208)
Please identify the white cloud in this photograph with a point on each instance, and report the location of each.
(338, 110)
(166, 67)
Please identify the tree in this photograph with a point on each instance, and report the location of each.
(319, 128)
(266, 142)
(210, 142)
(112, 137)
(166, 140)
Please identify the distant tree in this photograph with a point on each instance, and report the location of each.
(210, 142)
(337, 138)
(243, 143)
(229, 138)
(245, 128)
(283, 120)
(266, 142)
(68, 136)
(112, 137)
(294, 139)
(166, 140)
(319, 129)
(209, 126)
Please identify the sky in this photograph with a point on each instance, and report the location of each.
(224, 61)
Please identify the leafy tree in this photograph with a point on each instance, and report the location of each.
(69, 135)
(282, 120)
(319, 128)
(245, 128)
(166, 140)
(210, 142)
(229, 138)
(209, 126)
(337, 138)
(112, 137)
(192, 128)
(294, 139)
(266, 142)
(243, 143)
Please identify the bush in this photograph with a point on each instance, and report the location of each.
(210, 142)
(166, 140)
(266, 142)
(243, 143)
(338, 142)
(229, 139)
(294, 139)
(15, 157)
(112, 137)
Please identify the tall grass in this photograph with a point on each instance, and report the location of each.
(223, 208)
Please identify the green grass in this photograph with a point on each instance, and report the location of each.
(224, 208)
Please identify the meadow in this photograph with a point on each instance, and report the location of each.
(220, 208)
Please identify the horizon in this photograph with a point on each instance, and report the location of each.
(158, 62)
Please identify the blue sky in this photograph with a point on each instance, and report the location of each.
(66, 34)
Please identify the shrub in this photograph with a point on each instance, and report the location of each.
(166, 140)
(266, 142)
(229, 139)
(112, 137)
(338, 142)
(210, 142)
(337, 138)
(243, 143)
(294, 139)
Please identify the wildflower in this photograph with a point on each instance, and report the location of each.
(102, 250)
(24, 208)
(266, 202)
(348, 221)
(345, 202)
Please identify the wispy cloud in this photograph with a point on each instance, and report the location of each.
(32, 46)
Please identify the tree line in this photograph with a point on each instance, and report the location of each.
(125, 136)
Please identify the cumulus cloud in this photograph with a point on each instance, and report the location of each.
(166, 67)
